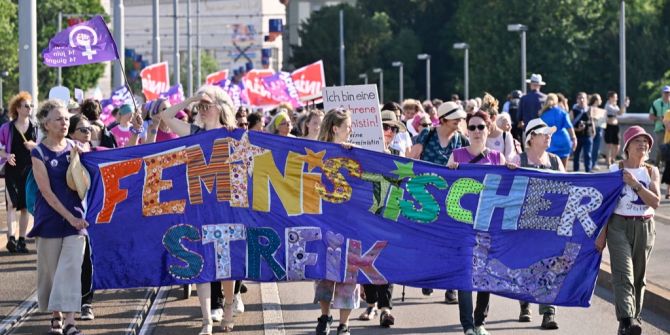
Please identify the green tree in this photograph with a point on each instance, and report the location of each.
(8, 48)
(208, 64)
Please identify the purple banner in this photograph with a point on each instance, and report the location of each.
(174, 95)
(282, 88)
(84, 43)
(236, 92)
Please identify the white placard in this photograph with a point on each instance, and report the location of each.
(61, 93)
(78, 95)
(363, 102)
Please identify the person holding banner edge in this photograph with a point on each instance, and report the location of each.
(336, 128)
(214, 111)
(631, 230)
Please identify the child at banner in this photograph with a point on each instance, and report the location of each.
(312, 124)
(538, 137)
(475, 153)
(125, 130)
(336, 128)
(60, 233)
(381, 295)
(18, 137)
(631, 230)
(214, 110)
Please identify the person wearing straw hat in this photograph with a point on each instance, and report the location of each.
(531, 103)
(538, 136)
(630, 231)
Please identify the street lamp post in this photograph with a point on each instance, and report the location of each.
(3, 75)
(364, 76)
(401, 88)
(521, 29)
(426, 57)
(466, 71)
(381, 83)
(622, 55)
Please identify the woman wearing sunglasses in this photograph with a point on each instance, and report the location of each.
(18, 138)
(475, 153)
(214, 111)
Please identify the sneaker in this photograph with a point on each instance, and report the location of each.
(11, 244)
(524, 315)
(238, 305)
(450, 297)
(548, 321)
(481, 331)
(21, 246)
(634, 329)
(86, 312)
(343, 330)
(470, 332)
(323, 327)
(427, 291)
(217, 315)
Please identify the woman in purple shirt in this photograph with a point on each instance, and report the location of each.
(475, 153)
(59, 230)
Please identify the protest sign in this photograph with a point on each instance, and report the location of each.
(216, 77)
(60, 93)
(281, 88)
(363, 102)
(256, 92)
(309, 81)
(78, 95)
(85, 43)
(174, 95)
(249, 205)
(155, 80)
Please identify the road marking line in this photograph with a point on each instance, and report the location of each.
(149, 324)
(139, 316)
(273, 319)
(18, 314)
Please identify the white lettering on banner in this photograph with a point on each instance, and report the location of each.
(154, 86)
(257, 87)
(307, 87)
(292, 91)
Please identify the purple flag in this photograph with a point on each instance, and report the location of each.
(121, 95)
(282, 89)
(84, 43)
(174, 95)
(236, 92)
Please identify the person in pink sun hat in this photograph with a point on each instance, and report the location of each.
(631, 230)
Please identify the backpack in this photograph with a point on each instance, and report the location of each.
(31, 186)
(516, 144)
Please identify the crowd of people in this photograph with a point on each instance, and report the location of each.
(536, 130)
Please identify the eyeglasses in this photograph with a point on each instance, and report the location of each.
(202, 106)
(477, 127)
(389, 127)
(30, 106)
(84, 130)
(243, 124)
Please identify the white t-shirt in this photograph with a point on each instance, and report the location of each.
(402, 142)
(630, 203)
(504, 146)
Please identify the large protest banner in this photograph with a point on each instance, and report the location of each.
(220, 205)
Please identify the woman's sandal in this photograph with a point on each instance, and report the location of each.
(71, 330)
(56, 326)
(227, 324)
(369, 313)
(206, 330)
(386, 319)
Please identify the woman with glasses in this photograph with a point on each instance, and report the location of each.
(336, 128)
(18, 137)
(475, 153)
(214, 111)
(59, 228)
(280, 125)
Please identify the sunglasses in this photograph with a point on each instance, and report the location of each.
(243, 124)
(392, 128)
(477, 127)
(84, 130)
(31, 106)
(201, 106)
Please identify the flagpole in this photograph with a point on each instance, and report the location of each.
(132, 95)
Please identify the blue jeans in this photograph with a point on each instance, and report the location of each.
(466, 312)
(585, 145)
(597, 139)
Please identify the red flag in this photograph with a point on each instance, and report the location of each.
(155, 80)
(216, 77)
(255, 87)
(309, 81)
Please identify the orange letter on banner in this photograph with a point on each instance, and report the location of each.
(198, 170)
(153, 185)
(287, 186)
(111, 175)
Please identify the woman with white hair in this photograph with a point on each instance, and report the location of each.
(214, 111)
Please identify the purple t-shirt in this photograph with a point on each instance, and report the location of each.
(462, 155)
(48, 223)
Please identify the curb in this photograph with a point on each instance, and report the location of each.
(135, 325)
(656, 298)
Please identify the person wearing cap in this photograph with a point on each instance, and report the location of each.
(630, 232)
(656, 112)
(564, 141)
(280, 125)
(531, 103)
(392, 127)
(436, 145)
(122, 132)
(538, 136)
